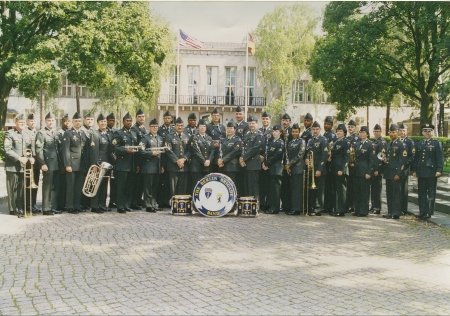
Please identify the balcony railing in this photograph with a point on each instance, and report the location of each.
(210, 100)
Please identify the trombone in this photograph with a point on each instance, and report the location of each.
(28, 174)
(310, 184)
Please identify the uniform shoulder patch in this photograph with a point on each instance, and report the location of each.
(92, 144)
(405, 153)
(325, 149)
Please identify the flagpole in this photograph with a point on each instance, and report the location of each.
(246, 79)
(177, 73)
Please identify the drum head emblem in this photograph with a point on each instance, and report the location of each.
(208, 192)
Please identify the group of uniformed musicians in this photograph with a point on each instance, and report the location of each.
(303, 172)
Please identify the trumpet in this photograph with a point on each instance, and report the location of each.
(381, 155)
(158, 148)
(134, 149)
(94, 178)
(28, 174)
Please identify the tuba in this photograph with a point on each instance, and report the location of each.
(381, 155)
(94, 178)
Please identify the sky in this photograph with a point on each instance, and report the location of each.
(219, 21)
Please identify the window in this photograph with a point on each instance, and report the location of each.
(193, 75)
(298, 91)
(66, 87)
(250, 85)
(230, 85)
(83, 91)
(173, 81)
(211, 84)
(360, 121)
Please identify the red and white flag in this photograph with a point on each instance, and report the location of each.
(251, 44)
(189, 41)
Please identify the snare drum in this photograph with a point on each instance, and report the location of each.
(181, 205)
(247, 206)
(214, 195)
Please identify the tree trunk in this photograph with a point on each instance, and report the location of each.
(426, 109)
(441, 119)
(41, 107)
(77, 96)
(388, 114)
(5, 89)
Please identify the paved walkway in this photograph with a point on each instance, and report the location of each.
(144, 263)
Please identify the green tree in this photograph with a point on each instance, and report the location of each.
(285, 41)
(374, 50)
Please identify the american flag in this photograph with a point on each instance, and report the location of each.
(189, 41)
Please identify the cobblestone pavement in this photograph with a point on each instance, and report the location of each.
(144, 263)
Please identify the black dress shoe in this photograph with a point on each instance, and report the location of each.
(97, 210)
(272, 212)
(121, 210)
(388, 216)
(112, 205)
(293, 213)
(20, 213)
(13, 213)
(395, 216)
(74, 211)
(150, 209)
(314, 214)
(354, 214)
(48, 213)
(136, 207)
(129, 209)
(35, 210)
(361, 215)
(376, 212)
(56, 211)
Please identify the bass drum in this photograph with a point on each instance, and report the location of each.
(214, 195)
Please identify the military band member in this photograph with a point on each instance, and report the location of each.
(294, 165)
(47, 153)
(17, 141)
(76, 162)
(126, 163)
(31, 128)
(403, 135)
(327, 195)
(178, 159)
(274, 164)
(217, 132)
(151, 165)
(364, 168)
(100, 150)
(111, 127)
(191, 128)
(353, 138)
(65, 125)
(285, 183)
(202, 155)
(230, 150)
(339, 169)
(376, 181)
(266, 130)
(428, 165)
(164, 131)
(318, 146)
(250, 159)
(396, 161)
(88, 129)
(241, 125)
(138, 183)
(307, 132)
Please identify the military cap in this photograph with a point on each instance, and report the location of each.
(329, 119)
(341, 127)
(101, 117)
(30, 116)
(285, 117)
(65, 116)
(427, 126)
(364, 129)
(89, 115)
(276, 128)
(20, 117)
(76, 116)
(402, 126)
(139, 112)
(308, 116)
(111, 116)
(201, 122)
(315, 124)
(393, 127)
(179, 120)
(49, 115)
(377, 127)
(167, 113)
(239, 109)
(231, 124)
(295, 126)
(265, 114)
(127, 116)
(352, 123)
(153, 122)
(215, 111)
(192, 116)
(252, 118)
